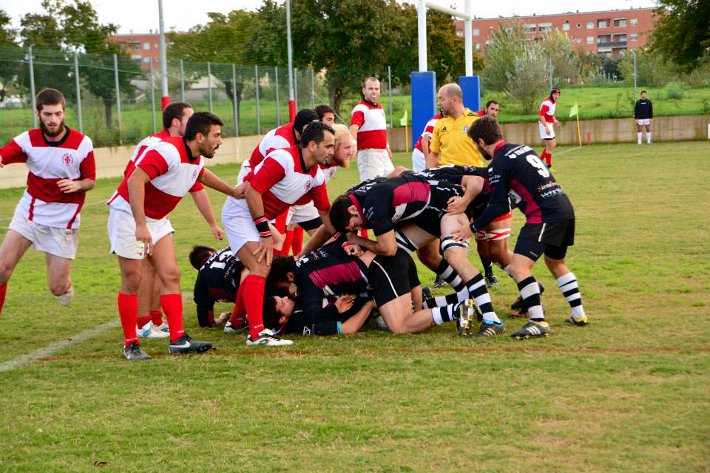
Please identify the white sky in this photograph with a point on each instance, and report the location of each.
(140, 16)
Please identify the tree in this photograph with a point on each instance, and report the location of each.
(650, 69)
(507, 44)
(682, 32)
(556, 47)
(72, 27)
(10, 54)
(528, 78)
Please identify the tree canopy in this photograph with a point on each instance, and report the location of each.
(682, 32)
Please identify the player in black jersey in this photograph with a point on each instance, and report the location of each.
(549, 226)
(414, 199)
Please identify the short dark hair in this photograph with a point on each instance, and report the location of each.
(555, 90)
(199, 255)
(303, 118)
(280, 267)
(201, 122)
(173, 111)
(485, 128)
(322, 109)
(339, 214)
(49, 96)
(270, 317)
(490, 102)
(315, 132)
(644, 92)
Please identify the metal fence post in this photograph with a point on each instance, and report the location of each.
(152, 96)
(209, 86)
(118, 97)
(278, 109)
(256, 96)
(295, 86)
(78, 91)
(32, 89)
(389, 90)
(235, 112)
(313, 88)
(182, 81)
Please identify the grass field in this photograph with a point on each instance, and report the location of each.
(628, 393)
(594, 103)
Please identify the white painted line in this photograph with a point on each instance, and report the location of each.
(58, 346)
(75, 340)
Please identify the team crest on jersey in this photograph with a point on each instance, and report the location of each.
(308, 186)
(194, 174)
(68, 159)
(465, 129)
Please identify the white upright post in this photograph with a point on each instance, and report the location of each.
(165, 99)
(421, 23)
(468, 39)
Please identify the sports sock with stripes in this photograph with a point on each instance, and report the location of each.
(530, 292)
(446, 272)
(477, 288)
(441, 301)
(172, 306)
(569, 288)
(445, 314)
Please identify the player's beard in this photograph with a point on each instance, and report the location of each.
(484, 153)
(50, 133)
(207, 151)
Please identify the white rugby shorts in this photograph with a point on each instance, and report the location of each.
(302, 213)
(238, 224)
(418, 160)
(643, 121)
(373, 163)
(122, 233)
(61, 242)
(543, 134)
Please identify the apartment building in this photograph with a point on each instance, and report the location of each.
(143, 48)
(609, 33)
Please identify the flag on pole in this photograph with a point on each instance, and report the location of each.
(403, 120)
(574, 111)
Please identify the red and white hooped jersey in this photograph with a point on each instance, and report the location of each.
(70, 158)
(172, 175)
(282, 182)
(547, 110)
(372, 133)
(428, 130)
(278, 138)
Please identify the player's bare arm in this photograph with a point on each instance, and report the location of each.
(136, 194)
(69, 186)
(265, 248)
(385, 245)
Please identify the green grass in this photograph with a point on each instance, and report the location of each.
(594, 103)
(628, 393)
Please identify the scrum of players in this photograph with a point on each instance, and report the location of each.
(358, 263)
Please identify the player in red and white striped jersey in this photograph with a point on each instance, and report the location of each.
(150, 320)
(421, 148)
(138, 226)
(61, 171)
(369, 125)
(284, 178)
(546, 124)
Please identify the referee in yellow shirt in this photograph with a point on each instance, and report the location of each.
(450, 143)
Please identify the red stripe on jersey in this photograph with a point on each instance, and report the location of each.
(375, 139)
(269, 174)
(48, 191)
(411, 192)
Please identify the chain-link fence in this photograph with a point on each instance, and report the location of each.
(114, 101)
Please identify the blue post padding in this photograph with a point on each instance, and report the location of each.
(423, 101)
(471, 87)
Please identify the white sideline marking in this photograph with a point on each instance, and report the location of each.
(59, 346)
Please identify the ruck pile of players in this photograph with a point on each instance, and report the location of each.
(358, 262)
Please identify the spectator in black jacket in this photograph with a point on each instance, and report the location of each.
(643, 113)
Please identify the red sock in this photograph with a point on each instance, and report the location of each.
(156, 316)
(254, 302)
(141, 321)
(3, 290)
(545, 156)
(364, 234)
(172, 306)
(297, 244)
(128, 311)
(239, 314)
(288, 238)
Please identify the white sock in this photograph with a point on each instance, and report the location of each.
(638, 137)
(648, 137)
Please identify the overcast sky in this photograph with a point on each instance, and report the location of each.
(141, 16)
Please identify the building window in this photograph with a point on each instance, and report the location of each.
(530, 28)
(477, 46)
(621, 23)
(634, 37)
(545, 27)
(146, 60)
(578, 40)
(146, 45)
(590, 25)
(476, 32)
(590, 39)
(602, 24)
(634, 22)
(565, 26)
